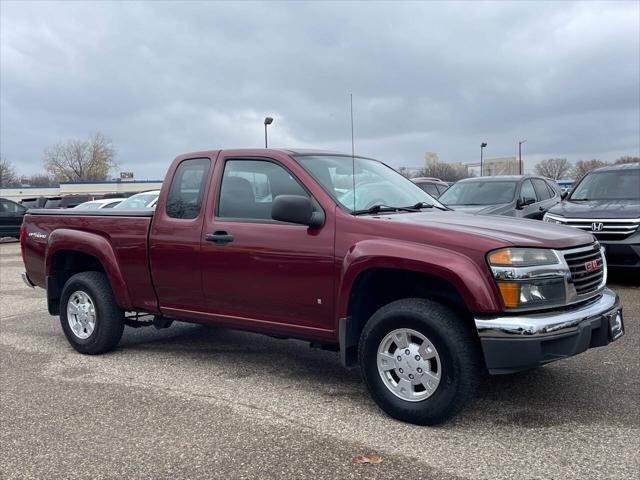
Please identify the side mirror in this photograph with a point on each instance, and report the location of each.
(564, 195)
(296, 209)
(524, 201)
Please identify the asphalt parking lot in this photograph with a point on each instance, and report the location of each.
(196, 402)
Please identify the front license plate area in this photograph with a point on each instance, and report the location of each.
(616, 326)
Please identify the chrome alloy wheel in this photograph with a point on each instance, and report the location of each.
(81, 314)
(409, 365)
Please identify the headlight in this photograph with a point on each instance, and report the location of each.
(528, 278)
(522, 257)
(550, 218)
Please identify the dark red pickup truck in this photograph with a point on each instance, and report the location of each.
(424, 299)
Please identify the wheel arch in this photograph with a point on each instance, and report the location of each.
(371, 280)
(70, 252)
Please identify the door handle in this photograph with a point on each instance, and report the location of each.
(219, 238)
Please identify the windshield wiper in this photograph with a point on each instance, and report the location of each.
(383, 208)
(579, 199)
(421, 205)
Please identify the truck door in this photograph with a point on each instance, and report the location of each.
(259, 271)
(174, 241)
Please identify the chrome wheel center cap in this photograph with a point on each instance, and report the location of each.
(409, 364)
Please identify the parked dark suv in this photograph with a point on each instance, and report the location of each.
(511, 195)
(606, 202)
(11, 214)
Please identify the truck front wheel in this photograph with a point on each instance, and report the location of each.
(91, 319)
(419, 361)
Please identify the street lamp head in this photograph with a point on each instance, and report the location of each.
(522, 141)
(483, 144)
(268, 120)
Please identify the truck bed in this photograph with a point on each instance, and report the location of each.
(126, 231)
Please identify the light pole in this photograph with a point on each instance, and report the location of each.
(482, 145)
(267, 121)
(520, 153)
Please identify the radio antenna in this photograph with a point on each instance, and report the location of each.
(353, 155)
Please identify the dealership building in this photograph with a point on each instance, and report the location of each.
(83, 187)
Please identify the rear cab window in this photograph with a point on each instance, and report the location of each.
(187, 189)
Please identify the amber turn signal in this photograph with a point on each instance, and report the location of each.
(501, 257)
(510, 292)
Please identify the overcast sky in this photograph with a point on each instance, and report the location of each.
(165, 78)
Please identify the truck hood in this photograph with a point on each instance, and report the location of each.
(598, 209)
(458, 227)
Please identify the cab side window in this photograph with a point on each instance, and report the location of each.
(187, 189)
(542, 190)
(249, 187)
(527, 193)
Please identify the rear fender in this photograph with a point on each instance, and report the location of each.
(96, 246)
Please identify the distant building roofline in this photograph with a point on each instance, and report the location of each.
(115, 180)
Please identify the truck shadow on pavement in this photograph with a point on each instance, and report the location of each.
(566, 392)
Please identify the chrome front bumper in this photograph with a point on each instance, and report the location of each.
(515, 343)
(547, 323)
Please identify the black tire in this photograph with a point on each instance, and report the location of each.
(109, 322)
(458, 351)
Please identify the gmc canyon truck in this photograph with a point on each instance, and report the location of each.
(342, 252)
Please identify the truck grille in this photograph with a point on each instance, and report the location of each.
(608, 228)
(587, 268)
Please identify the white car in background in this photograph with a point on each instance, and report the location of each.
(141, 200)
(99, 204)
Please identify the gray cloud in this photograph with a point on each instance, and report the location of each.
(165, 78)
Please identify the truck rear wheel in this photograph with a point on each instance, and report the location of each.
(89, 315)
(419, 361)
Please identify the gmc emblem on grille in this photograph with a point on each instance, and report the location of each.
(597, 226)
(592, 266)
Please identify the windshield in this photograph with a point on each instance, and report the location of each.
(376, 183)
(88, 206)
(53, 203)
(611, 185)
(479, 193)
(142, 200)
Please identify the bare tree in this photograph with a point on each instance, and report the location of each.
(554, 168)
(404, 171)
(7, 173)
(585, 166)
(39, 180)
(89, 159)
(628, 159)
(444, 171)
